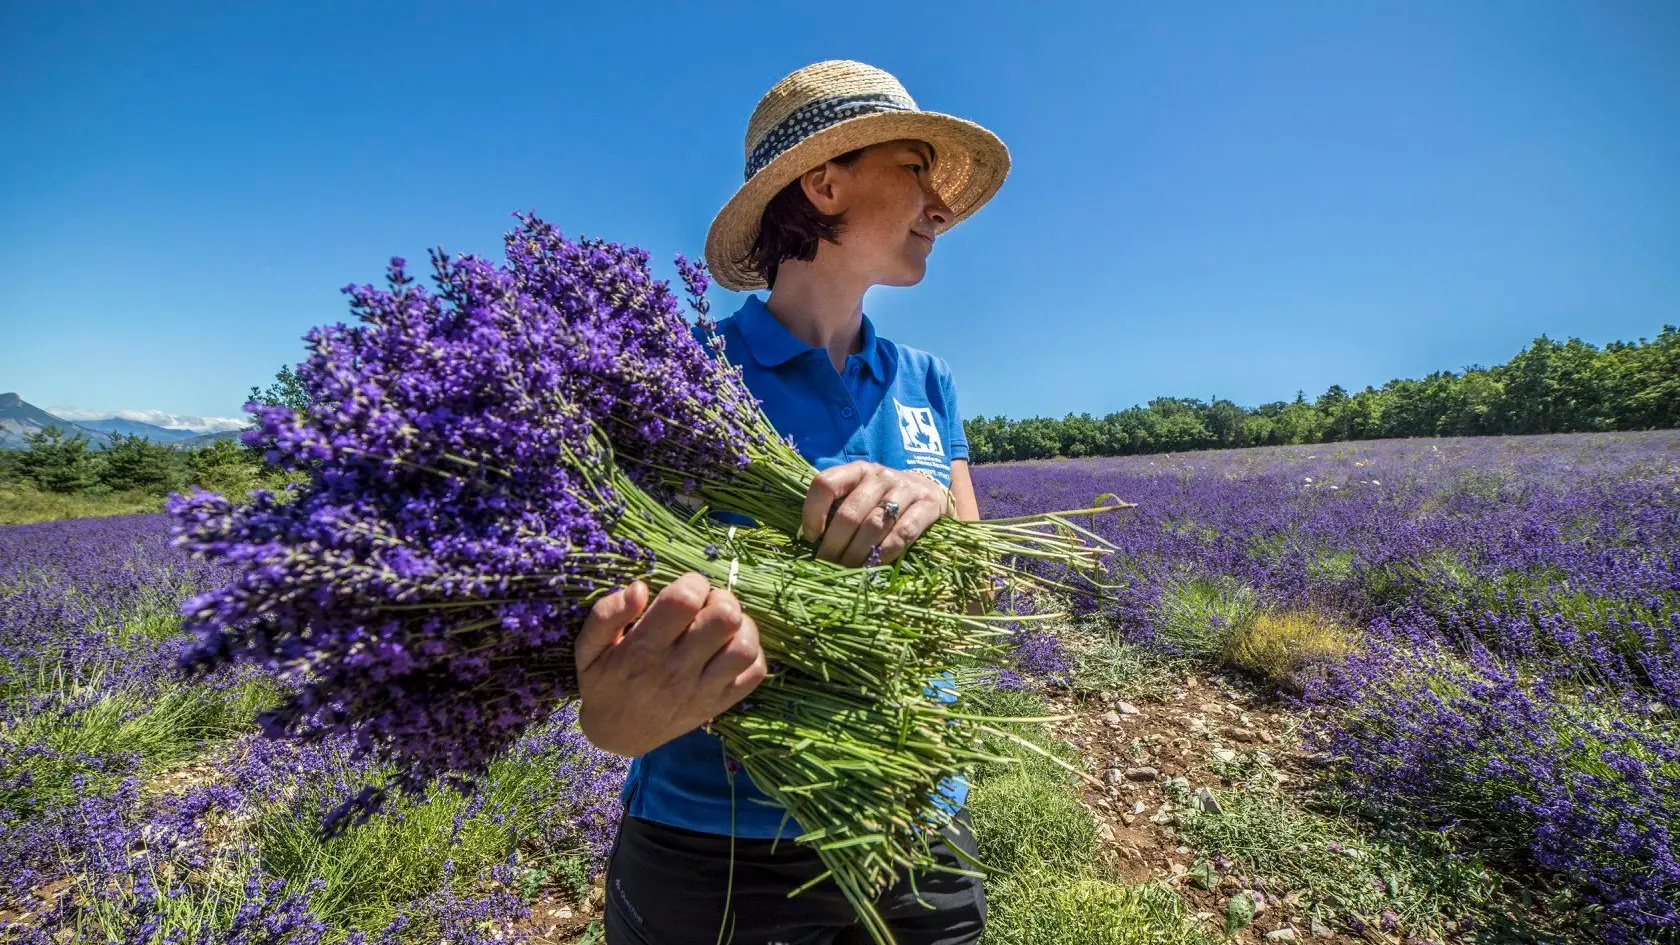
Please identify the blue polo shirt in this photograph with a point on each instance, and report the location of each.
(892, 405)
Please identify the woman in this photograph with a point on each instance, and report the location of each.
(847, 186)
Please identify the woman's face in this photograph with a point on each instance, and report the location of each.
(891, 213)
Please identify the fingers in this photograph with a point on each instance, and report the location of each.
(854, 510)
(604, 626)
(736, 669)
(875, 526)
(712, 629)
(912, 522)
(670, 614)
(826, 489)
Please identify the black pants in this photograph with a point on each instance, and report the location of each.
(666, 886)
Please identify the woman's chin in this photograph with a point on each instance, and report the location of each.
(911, 274)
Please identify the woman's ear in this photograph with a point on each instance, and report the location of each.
(823, 188)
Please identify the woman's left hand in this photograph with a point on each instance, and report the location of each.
(866, 492)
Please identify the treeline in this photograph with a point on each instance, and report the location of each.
(55, 460)
(1547, 388)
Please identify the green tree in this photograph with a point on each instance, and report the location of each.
(1403, 411)
(1641, 382)
(135, 462)
(1081, 435)
(1260, 429)
(58, 461)
(1549, 389)
(1546, 388)
(1476, 400)
(982, 433)
(223, 466)
(1179, 424)
(286, 391)
(1116, 441)
(1300, 422)
(1226, 422)
(1033, 438)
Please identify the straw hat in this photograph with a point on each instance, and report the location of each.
(825, 110)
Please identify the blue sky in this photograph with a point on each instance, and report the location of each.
(1234, 199)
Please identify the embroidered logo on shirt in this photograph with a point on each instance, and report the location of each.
(916, 427)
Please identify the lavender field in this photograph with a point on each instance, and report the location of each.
(1484, 634)
(1476, 642)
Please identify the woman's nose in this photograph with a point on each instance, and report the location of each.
(937, 211)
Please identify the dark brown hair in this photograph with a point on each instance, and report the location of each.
(790, 226)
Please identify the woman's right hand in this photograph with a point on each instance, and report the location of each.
(641, 683)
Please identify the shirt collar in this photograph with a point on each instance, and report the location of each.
(771, 344)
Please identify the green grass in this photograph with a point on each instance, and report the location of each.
(1088, 911)
(113, 916)
(98, 742)
(1131, 671)
(1331, 567)
(1028, 821)
(22, 502)
(1103, 662)
(111, 734)
(1199, 615)
(1343, 870)
(372, 871)
(1049, 883)
(147, 625)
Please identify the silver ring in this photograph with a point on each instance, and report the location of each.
(890, 508)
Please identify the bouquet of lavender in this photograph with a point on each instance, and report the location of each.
(463, 510)
(683, 419)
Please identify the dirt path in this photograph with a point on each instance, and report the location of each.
(1157, 757)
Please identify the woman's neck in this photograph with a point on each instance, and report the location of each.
(822, 312)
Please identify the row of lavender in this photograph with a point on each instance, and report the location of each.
(138, 807)
(1514, 674)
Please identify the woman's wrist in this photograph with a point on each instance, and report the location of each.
(949, 508)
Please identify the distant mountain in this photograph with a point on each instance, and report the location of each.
(182, 425)
(150, 431)
(19, 418)
(192, 443)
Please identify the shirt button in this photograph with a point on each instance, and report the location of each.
(847, 412)
(853, 369)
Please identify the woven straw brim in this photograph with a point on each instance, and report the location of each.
(970, 164)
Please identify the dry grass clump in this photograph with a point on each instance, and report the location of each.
(1288, 648)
